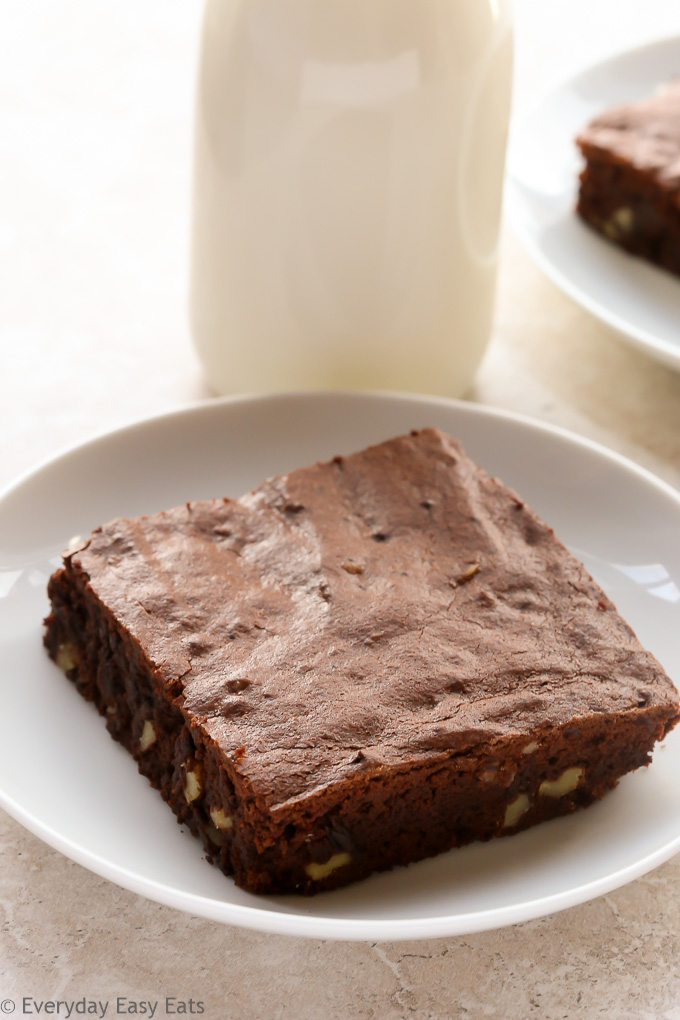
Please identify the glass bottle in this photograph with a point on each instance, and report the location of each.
(347, 190)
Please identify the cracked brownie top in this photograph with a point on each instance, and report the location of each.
(371, 612)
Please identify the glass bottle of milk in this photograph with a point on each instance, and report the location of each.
(347, 189)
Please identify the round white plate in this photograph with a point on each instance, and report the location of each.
(63, 777)
(638, 300)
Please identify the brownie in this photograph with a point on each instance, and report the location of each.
(357, 665)
(630, 187)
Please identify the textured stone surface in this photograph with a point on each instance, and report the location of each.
(93, 233)
(616, 956)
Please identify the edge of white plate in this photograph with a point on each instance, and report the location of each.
(641, 339)
(286, 396)
(339, 928)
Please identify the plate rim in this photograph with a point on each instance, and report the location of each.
(337, 928)
(466, 406)
(329, 927)
(639, 338)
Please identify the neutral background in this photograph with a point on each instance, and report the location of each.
(95, 129)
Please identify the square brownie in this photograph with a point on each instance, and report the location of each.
(359, 664)
(630, 187)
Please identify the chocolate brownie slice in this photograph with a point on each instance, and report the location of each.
(357, 665)
(630, 187)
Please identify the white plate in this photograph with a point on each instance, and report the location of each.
(638, 300)
(64, 778)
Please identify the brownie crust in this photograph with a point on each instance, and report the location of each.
(630, 187)
(357, 665)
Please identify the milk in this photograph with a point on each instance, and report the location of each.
(347, 188)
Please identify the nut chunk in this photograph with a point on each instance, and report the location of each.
(361, 664)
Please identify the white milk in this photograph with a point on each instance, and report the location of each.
(348, 170)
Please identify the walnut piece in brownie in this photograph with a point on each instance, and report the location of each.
(357, 665)
(630, 187)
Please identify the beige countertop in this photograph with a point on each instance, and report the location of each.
(95, 111)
